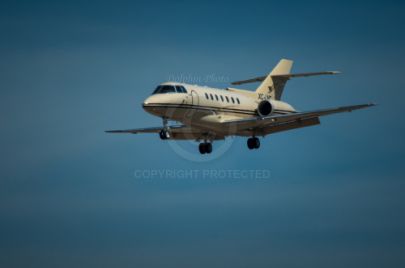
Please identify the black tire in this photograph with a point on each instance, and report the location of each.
(202, 148)
(251, 143)
(256, 143)
(208, 148)
(162, 135)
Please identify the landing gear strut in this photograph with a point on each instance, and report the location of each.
(205, 148)
(253, 143)
(164, 134)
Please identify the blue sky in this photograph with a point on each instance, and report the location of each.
(68, 193)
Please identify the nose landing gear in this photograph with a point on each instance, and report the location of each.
(253, 143)
(164, 134)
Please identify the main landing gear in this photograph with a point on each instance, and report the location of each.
(205, 148)
(253, 143)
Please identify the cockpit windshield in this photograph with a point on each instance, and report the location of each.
(169, 89)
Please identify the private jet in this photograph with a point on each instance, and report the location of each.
(206, 114)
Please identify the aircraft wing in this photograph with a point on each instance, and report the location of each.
(258, 125)
(178, 132)
(275, 123)
(136, 130)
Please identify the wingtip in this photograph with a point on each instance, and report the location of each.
(287, 60)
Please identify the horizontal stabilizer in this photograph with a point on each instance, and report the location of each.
(287, 76)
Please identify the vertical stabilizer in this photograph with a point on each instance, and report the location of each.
(274, 86)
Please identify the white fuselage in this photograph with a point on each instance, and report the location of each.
(206, 107)
(208, 114)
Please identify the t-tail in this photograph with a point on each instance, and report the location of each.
(273, 84)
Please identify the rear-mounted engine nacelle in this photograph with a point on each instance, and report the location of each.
(265, 108)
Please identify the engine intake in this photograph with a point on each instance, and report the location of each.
(264, 108)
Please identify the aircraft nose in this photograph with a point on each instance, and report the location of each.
(146, 102)
(149, 105)
(146, 105)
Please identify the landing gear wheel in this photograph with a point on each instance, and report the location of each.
(253, 143)
(164, 134)
(201, 148)
(208, 148)
(205, 148)
(250, 143)
(256, 143)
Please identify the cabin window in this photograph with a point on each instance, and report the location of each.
(216, 97)
(237, 99)
(227, 99)
(206, 96)
(212, 97)
(222, 98)
(233, 101)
